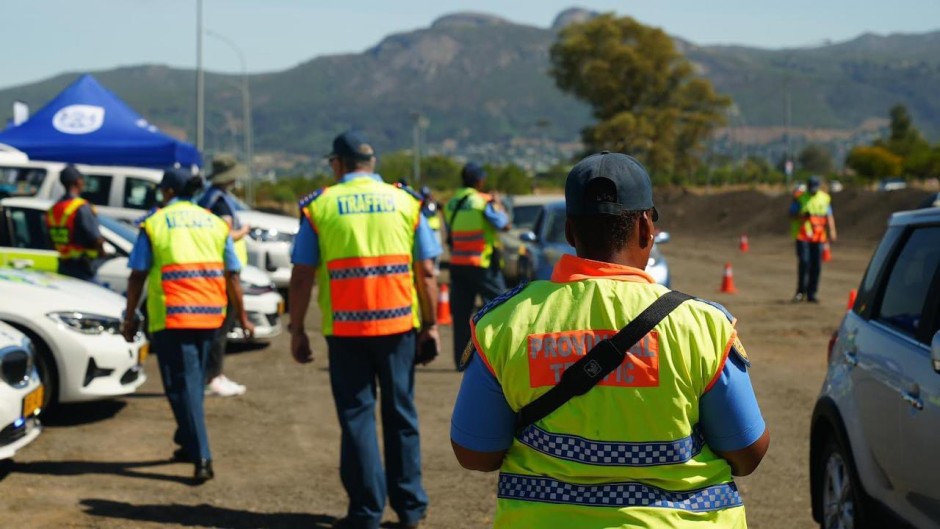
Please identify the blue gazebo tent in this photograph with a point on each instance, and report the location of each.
(88, 124)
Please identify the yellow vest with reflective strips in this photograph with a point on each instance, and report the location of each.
(366, 233)
(628, 453)
(60, 221)
(186, 285)
(815, 206)
(473, 236)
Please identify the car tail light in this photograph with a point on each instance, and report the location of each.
(832, 344)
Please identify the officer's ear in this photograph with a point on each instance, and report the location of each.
(644, 229)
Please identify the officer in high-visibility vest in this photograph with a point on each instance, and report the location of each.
(225, 173)
(656, 442)
(815, 226)
(73, 228)
(473, 219)
(186, 256)
(368, 246)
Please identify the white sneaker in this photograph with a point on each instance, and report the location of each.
(218, 386)
(240, 388)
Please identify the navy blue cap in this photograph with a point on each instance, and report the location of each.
(175, 179)
(813, 183)
(472, 173)
(352, 145)
(69, 175)
(629, 177)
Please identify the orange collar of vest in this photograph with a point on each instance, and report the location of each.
(572, 268)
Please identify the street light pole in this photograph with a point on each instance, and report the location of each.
(200, 82)
(246, 114)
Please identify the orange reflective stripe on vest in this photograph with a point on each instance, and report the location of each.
(61, 223)
(371, 296)
(468, 247)
(195, 295)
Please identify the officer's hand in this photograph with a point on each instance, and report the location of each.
(248, 328)
(129, 330)
(429, 344)
(300, 347)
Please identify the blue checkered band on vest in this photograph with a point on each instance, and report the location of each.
(191, 274)
(547, 490)
(499, 300)
(371, 315)
(614, 454)
(193, 309)
(368, 271)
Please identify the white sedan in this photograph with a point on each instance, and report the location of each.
(21, 392)
(75, 327)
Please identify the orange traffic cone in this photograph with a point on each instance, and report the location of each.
(826, 253)
(852, 295)
(744, 246)
(443, 306)
(727, 282)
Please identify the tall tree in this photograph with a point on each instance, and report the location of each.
(815, 159)
(645, 94)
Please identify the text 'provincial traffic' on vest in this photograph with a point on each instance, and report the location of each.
(550, 354)
(365, 203)
(188, 219)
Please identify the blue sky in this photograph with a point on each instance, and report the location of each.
(47, 37)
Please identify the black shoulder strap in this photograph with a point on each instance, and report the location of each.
(603, 358)
(453, 216)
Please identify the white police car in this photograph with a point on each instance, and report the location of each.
(21, 392)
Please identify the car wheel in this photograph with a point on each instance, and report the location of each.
(843, 500)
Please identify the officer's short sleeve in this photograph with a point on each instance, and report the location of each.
(482, 419)
(220, 208)
(86, 227)
(499, 219)
(232, 262)
(427, 245)
(729, 414)
(141, 258)
(306, 250)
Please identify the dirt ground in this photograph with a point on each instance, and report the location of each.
(276, 449)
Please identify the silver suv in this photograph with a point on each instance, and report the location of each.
(875, 434)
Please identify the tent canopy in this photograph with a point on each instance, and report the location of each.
(87, 123)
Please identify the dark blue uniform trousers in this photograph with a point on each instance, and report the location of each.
(466, 282)
(181, 355)
(355, 366)
(809, 256)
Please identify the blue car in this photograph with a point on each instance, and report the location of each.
(876, 424)
(546, 243)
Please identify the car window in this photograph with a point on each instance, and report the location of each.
(909, 281)
(524, 216)
(139, 193)
(28, 229)
(556, 227)
(97, 189)
(868, 288)
(24, 180)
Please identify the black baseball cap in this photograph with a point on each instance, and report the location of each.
(472, 173)
(813, 182)
(175, 179)
(352, 145)
(629, 177)
(69, 175)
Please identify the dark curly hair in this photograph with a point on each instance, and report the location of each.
(601, 236)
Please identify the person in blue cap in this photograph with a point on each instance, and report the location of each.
(814, 226)
(473, 218)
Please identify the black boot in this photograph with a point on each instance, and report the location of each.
(203, 471)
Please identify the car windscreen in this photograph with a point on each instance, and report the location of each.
(25, 181)
(121, 229)
(555, 232)
(524, 216)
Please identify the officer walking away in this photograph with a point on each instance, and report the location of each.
(186, 256)
(813, 211)
(218, 199)
(473, 218)
(73, 228)
(654, 442)
(368, 246)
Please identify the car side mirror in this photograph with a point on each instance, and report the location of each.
(528, 237)
(935, 352)
(662, 237)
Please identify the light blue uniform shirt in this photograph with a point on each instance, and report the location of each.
(306, 250)
(141, 258)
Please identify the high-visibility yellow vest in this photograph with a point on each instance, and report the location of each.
(366, 232)
(186, 287)
(629, 452)
(815, 208)
(60, 220)
(473, 236)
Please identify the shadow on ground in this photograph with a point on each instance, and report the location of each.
(82, 413)
(117, 468)
(204, 516)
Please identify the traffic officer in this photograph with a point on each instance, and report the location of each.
(218, 199)
(73, 228)
(473, 218)
(186, 256)
(656, 442)
(368, 246)
(812, 211)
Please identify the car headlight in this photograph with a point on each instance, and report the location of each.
(270, 235)
(93, 324)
